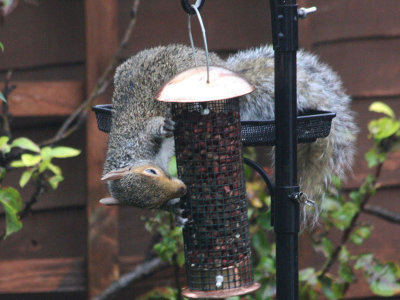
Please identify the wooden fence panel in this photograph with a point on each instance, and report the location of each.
(338, 21)
(101, 41)
(50, 33)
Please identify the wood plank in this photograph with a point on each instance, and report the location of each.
(61, 274)
(59, 72)
(338, 21)
(229, 27)
(134, 239)
(42, 275)
(52, 32)
(366, 67)
(45, 98)
(102, 41)
(161, 279)
(47, 234)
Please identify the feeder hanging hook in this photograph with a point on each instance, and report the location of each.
(203, 30)
(187, 7)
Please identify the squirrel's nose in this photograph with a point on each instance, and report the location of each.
(182, 190)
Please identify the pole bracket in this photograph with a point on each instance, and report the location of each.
(286, 205)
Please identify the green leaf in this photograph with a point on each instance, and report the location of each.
(4, 140)
(383, 127)
(364, 261)
(344, 255)
(46, 153)
(64, 152)
(308, 275)
(343, 216)
(360, 234)
(12, 203)
(2, 46)
(55, 180)
(17, 164)
(3, 172)
(172, 169)
(346, 273)
(25, 178)
(325, 246)
(55, 169)
(26, 144)
(381, 107)
(327, 287)
(356, 197)
(384, 279)
(373, 157)
(180, 258)
(4, 146)
(30, 160)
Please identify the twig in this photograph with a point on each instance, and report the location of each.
(146, 268)
(175, 264)
(40, 188)
(382, 213)
(80, 115)
(7, 90)
(346, 234)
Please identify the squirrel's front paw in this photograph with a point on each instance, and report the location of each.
(173, 206)
(168, 128)
(162, 127)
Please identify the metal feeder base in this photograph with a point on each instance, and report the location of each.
(220, 293)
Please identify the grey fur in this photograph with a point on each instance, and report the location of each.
(140, 126)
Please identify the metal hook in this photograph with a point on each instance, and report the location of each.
(203, 30)
(187, 7)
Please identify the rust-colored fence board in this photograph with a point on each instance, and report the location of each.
(134, 239)
(47, 234)
(42, 275)
(51, 98)
(229, 27)
(368, 68)
(101, 41)
(49, 33)
(354, 19)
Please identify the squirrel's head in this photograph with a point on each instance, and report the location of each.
(145, 186)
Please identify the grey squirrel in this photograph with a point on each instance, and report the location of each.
(141, 138)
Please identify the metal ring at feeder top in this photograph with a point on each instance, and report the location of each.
(187, 7)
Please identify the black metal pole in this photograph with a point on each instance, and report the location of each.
(286, 209)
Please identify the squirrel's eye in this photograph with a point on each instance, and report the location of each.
(151, 171)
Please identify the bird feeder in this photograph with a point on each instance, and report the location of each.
(208, 146)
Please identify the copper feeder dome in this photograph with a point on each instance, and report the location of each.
(192, 86)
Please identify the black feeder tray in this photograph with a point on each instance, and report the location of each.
(311, 125)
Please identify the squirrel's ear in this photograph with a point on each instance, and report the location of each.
(115, 174)
(110, 201)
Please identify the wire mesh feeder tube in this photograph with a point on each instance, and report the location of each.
(208, 146)
(209, 158)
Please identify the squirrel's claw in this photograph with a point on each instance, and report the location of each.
(110, 201)
(115, 174)
(169, 127)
